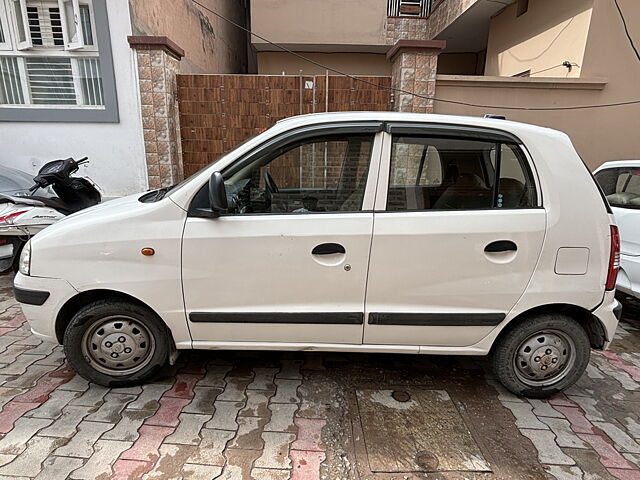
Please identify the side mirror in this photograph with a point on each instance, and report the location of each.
(217, 194)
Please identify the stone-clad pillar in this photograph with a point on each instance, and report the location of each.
(158, 62)
(414, 64)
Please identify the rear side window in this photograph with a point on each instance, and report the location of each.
(431, 173)
(621, 186)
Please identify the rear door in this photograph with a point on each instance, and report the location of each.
(458, 230)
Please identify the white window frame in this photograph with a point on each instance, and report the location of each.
(22, 5)
(4, 24)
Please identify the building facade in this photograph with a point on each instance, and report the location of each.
(524, 55)
(94, 78)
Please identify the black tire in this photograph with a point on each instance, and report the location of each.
(85, 326)
(519, 369)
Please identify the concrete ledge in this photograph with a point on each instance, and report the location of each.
(156, 43)
(521, 82)
(417, 46)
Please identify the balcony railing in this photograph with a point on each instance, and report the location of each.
(410, 8)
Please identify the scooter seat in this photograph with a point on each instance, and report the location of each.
(52, 202)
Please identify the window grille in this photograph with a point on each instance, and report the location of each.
(409, 8)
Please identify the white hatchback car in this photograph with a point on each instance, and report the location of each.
(620, 182)
(361, 232)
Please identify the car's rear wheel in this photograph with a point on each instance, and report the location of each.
(542, 355)
(116, 343)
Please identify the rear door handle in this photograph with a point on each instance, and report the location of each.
(328, 249)
(501, 246)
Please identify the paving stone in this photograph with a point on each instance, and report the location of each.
(616, 361)
(564, 435)
(203, 400)
(257, 404)
(52, 408)
(183, 386)
(235, 390)
(238, 464)
(137, 390)
(309, 435)
(249, 433)
(99, 465)
(563, 472)
(29, 378)
(7, 394)
(170, 464)
(589, 462)
(127, 428)
(579, 423)
(93, 397)
(276, 451)
(130, 469)
(620, 438)
(46, 384)
(524, 416)
(543, 409)
(589, 406)
(290, 370)
(167, 414)
(609, 457)
(76, 384)
(55, 358)
(209, 452)
(200, 472)
(215, 376)
(188, 430)
(29, 462)
(16, 440)
(281, 417)
(147, 445)
(621, 376)
(20, 364)
(44, 348)
(286, 391)
(81, 444)
(270, 474)
(110, 410)
(633, 427)
(548, 451)
(66, 425)
(148, 399)
(633, 458)
(306, 464)
(263, 379)
(225, 416)
(58, 468)
(13, 411)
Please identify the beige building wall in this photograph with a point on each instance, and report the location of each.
(461, 63)
(599, 134)
(277, 63)
(211, 45)
(550, 32)
(324, 22)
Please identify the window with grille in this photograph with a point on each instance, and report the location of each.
(409, 8)
(54, 58)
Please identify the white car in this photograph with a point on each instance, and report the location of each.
(620, 182)
(361, 232)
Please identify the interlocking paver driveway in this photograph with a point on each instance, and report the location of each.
(271, 415)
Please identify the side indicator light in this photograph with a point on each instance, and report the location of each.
(147, 251)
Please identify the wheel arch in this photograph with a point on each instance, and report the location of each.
(75, 303)
(591, 324)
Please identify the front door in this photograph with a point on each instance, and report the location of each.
(288, 263)
(457, 234)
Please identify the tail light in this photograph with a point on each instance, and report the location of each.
(614, 259)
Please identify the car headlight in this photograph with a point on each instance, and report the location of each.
(25, 259)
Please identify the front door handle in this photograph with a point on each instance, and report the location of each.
(501, 246)
(328, 249)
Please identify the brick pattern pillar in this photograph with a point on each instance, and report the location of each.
(158, 62)
(414, 64)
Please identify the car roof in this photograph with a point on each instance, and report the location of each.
(619, 163)
(494, 123)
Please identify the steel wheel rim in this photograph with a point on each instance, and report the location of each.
(544, 358)
(118, 345)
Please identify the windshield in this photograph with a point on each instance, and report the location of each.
(17, 183)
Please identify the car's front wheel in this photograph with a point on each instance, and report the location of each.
(542, 355)
(116, 343)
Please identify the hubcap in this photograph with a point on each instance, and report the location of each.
(118, 345)
(544, 358)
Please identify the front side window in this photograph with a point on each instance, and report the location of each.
(53, 59)
(621, 186)
(431, 173)
(326, 174)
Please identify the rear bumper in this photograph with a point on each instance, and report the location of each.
(609, 313)
(41, 313)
